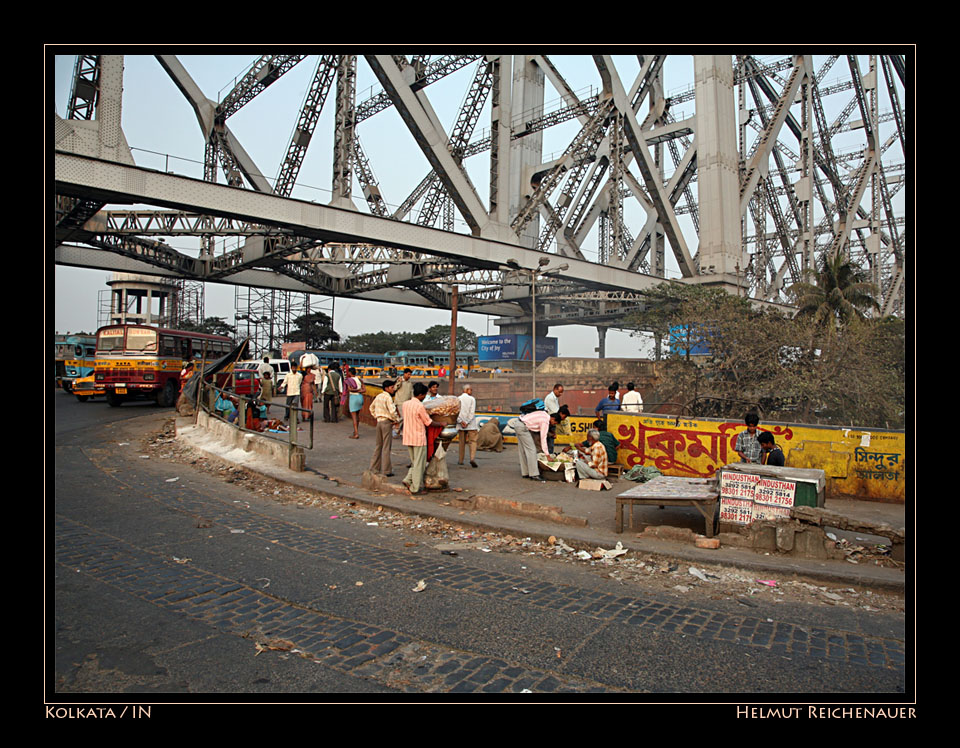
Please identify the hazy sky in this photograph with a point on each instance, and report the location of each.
(163, 133)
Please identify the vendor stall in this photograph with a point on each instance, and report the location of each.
(749, 492)
(700, 493)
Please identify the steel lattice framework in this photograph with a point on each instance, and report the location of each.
(783, 160)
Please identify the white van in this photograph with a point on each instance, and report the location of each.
(281, 367)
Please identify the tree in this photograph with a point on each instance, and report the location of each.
(840, 293)
(437, 338)
(316, 330)
(381, 342)
(211, 326)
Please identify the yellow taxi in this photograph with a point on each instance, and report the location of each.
(85, 388)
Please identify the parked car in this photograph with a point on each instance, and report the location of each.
(246, 378)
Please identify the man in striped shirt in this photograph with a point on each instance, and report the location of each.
(415, 422)
(596, 469)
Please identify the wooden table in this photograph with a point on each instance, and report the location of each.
(664, 490)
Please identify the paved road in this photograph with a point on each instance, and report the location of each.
(169, 579)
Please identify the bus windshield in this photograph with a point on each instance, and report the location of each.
(141, 339)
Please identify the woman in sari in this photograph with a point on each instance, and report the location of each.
(353, 392)
(308, 388)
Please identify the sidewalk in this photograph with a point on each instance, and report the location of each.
(495, 497)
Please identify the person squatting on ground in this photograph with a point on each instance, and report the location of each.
(596, 469)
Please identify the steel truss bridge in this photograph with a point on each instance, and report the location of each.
(782, 161)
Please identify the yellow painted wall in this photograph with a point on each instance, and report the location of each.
(857, 463)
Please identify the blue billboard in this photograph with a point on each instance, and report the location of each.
(514, 348)
(682, 336)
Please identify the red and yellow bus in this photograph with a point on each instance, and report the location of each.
(139, 361)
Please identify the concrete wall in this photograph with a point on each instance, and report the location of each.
(228, 436)
(858, 463)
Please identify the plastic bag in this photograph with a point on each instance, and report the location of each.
(437, 475)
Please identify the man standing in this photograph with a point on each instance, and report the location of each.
(415, 422)
(631, 401)
(467, 424)
(747, 445)
(610, 402)
(264, 367)
(551, 402)
(404, 388)
(383, 409)
(538, 422)
(770, 453)
(331, 386)
(433, 391)
(292, 386)
(596, 468)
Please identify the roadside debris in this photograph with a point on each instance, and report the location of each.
(652, 572)
(421, 586)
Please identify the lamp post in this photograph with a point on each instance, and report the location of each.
(533, 293)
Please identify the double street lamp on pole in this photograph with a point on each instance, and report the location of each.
(539, 270)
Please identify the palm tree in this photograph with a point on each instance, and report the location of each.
(839, 294)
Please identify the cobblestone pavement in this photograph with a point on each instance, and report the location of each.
(393, 658)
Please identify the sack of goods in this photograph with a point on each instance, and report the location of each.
(309, 359)
(531, 405)
(446, 405)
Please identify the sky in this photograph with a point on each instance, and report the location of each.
(163, 133)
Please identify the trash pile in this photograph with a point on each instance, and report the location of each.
(867, 553)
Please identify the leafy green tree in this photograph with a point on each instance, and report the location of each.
(316, 330)
(437, 338)
(211, 326)
(838, 294)
(381, 342)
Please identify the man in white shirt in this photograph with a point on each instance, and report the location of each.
(551, 403)
(467, 424)
(631, 402)
(292, 385)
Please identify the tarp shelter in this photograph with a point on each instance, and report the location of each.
(240, 353)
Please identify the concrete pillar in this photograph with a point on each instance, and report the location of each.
(526, 154)
(718, 182)
(602, 347)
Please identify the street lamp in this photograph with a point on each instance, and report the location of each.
(533, 293)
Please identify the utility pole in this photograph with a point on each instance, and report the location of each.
(453, 339)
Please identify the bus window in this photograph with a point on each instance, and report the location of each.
(168, 346)
(141, 339)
